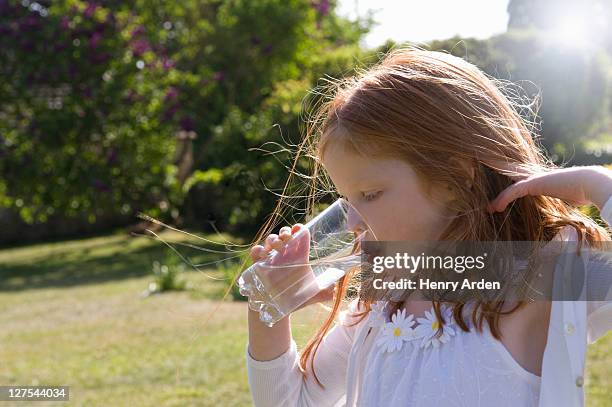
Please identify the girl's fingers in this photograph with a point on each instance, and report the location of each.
(277, 244)
(274, 241)
(515, 191)
(257, 252)
(270, 241)
(284, 233)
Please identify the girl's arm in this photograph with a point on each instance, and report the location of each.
(279, 381)
(272, 358)
(581, 185)
(269, 343)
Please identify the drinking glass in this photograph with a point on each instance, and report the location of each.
(315, 257)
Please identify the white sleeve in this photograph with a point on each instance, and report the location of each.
(279, 382)
(599, 272)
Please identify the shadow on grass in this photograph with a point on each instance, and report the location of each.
(70, 265)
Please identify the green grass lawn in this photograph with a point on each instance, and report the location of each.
(71, 313)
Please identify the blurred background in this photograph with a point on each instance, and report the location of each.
(186, 112)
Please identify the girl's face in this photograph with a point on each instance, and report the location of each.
(386, 193)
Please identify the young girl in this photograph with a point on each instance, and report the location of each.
(426, 147)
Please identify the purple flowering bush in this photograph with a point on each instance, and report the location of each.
(113, 107)
(80, 121)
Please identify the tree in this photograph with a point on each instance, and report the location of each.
(149, 102)
(80, 120)
(573, 84)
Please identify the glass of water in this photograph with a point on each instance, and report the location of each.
(315, 257)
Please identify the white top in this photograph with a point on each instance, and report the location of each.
(459, 368)
(400, 362)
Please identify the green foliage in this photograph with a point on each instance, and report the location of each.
(167, 275)
(100, 91)
(236, 169)
(573, 84)
(82, 133)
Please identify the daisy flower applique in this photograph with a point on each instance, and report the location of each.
(428, 328)
(377, 316)
(397, 331)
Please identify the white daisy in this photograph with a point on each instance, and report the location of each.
(377, 314)
(396, 332)
(428, 328)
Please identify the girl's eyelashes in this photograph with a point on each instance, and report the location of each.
(367, 196)
(371, 195)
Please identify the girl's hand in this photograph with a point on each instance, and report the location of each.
(288, 255)
(577, 185)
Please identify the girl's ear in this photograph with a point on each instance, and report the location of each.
(468, 166)
(444, 191)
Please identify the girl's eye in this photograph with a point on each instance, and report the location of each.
(371, 196)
